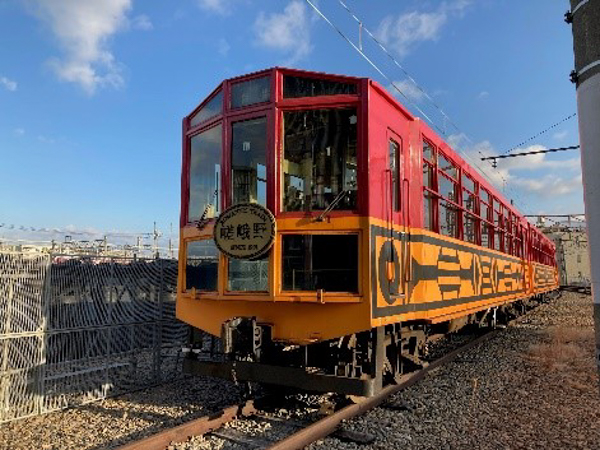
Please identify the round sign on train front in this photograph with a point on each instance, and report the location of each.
(245, 231)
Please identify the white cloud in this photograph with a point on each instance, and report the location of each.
(222, 7)
(8, 84)
(483, 94)
(406, 30)
(560, 135)
(549, 185)
(287, 32)
(45, 139)
(142, 22)
(83, 29)
(19, 131)
(223, 47)
(409, 89)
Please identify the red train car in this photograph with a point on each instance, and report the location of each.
(325, 230)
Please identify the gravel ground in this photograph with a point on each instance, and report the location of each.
(533, 386)
(116, 421)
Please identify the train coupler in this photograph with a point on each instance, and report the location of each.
(245, 337)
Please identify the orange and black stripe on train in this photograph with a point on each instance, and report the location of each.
(379, 222)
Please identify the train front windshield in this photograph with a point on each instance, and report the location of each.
(230, 158)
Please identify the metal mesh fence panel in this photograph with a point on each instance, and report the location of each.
(78, 329)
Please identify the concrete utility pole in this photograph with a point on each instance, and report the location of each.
(585, 17)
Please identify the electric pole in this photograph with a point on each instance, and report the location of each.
(585, 18)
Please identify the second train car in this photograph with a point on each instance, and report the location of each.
(325, 231)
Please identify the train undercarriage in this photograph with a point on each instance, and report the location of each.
(359, 364)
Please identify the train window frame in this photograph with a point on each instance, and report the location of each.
(395, 168)
(487, 226)
(430, 194)
(342, 83)
(218, 196)
(516, 233)
(447, 166)
(448, 205)
(350, 293)
(230, 291)
(268, 77)
(312, 106)
(471, 188)
(231, 123)
(219, 92)
(191, 290)
(497, 223)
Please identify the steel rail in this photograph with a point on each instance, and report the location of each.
(330, 424)
(196, 427)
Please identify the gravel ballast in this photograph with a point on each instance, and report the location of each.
(116, 421)
(532, 386)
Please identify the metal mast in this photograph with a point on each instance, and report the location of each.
(585, 18)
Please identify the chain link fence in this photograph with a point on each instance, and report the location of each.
(74, 330)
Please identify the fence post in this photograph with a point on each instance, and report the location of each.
(111, 324)
(45, 298)
(4, 388)
(159, 324)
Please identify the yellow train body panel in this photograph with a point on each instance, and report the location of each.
(433, 278)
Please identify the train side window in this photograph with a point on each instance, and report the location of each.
(312, 262)
(470, 225)
(428, 152)
(427, 211)
(320, 159)
(468, 183)
(252, 276)
(447, 166)
(469, 199)
(205, 174)
(429, 188)
(449, 208)
(497, 223)
(485, 236)
(201, 267)
(448, 219)
(212, 108)
(447, 188)
(250, 92)
(497, 239)
(485, 204)
(295, 87)
(394, 166)
(248, 161)
(485, 213)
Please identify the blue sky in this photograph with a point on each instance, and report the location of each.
(92, 93)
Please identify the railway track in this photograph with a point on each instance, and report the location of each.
(250, 426)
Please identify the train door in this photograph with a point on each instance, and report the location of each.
(394, 249)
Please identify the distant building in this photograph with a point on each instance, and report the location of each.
(571, 254)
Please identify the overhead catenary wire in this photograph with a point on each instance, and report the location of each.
(397, 64)
(422, 90)
(388, 79)
(535, 136)
(533, 152)
(431, 100)
(359, 50)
